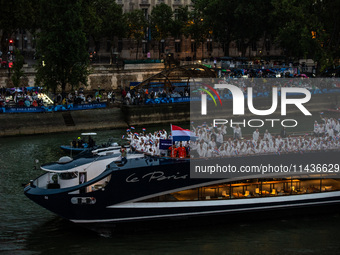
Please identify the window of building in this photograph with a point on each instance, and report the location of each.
(97, 43)
(162, 46)
(226, 48)
(108, 45)
(267, 45)
(239, 45)
(176, 14)
(178, 46)
(253, 46)
(209, 46)
(145, 47)
(193, 47)
(145, 11)
(120, 46)
(25, 42)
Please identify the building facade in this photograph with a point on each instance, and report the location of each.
(181, 49)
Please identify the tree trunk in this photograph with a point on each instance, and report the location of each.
(226, 47)
(111, 50)
(63, 89)
(137, 49)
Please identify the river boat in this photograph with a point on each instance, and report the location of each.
(80, 145)
(100, 188)
(86, 146)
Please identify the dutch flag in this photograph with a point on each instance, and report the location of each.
(181, 134)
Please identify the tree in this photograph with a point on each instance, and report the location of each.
(161, 22)
(198, 28)
(92, 21)
(137, 25)
(310, 29)
(253, 19)
(181, 19)
(61, 46)
(18, 14)
(17, 68)
(112, 21)
(219, 16)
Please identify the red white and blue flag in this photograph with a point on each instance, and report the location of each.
(181, 134)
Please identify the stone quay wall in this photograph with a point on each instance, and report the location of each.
(12, 124)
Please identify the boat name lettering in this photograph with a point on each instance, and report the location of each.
(155, 176)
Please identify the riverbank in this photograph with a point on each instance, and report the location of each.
(128, 115)
(96, 119)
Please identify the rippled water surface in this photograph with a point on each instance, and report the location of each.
(26, 228)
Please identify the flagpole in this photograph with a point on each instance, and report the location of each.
(172, 140)
(171, 132)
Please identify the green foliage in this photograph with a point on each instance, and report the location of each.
(302, 28)
(180, 22)
(17, 71)
(309, 29)
(111, 19)
(110, 22)
(219, 16)
(197, 27)
(136, 24)
(161, 21)
(15, 14)
(92, 21)
(61, 45)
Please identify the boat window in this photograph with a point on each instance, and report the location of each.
(251, 189)
(100, 185)
(68, 175)
(83, 200)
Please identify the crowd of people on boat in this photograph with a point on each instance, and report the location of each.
(216, 142)
(211, 141)
(149, 143)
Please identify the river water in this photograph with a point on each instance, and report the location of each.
(26, 228)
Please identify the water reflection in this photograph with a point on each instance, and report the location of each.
(301, 235)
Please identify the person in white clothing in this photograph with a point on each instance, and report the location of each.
(237, 132)
(256, 135)
(267, 136)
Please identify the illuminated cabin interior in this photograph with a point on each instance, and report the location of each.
(251, 189)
